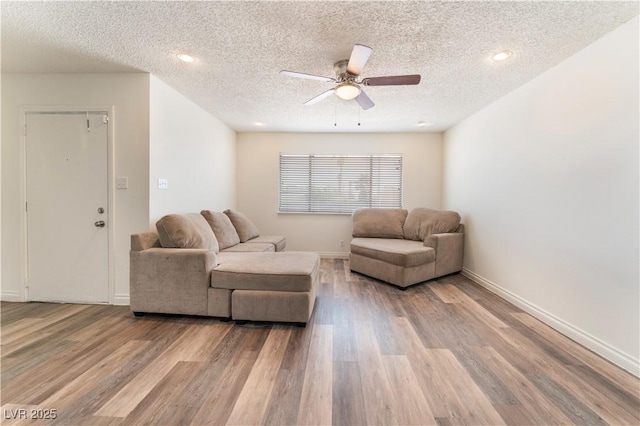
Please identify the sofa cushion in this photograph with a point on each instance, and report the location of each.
(278, 241)
(245, 228)
(249, 246)
(395, 251)
(186, 231)
(287, 271)
(422, 222)
(379, 223)
(222, 227)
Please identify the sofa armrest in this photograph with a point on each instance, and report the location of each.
(449, 250)
(169, 280)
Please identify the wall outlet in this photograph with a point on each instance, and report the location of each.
(163, 183)
(341, 243)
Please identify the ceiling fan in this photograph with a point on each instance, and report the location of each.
(347, 76)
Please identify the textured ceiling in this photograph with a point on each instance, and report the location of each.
(241, 46)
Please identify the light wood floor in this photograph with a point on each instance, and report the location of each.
(446, 352)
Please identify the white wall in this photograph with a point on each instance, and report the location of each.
(258, 179)
(546, 180)
(129, 95)
(193, 150)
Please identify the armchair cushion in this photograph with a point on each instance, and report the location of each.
(422, 222)
(403, 253)
(222, 227)
(186, 231)
(244, 227)
(379, 223)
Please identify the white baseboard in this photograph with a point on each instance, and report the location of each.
(11, 296)
(603, 349)
(121, 299)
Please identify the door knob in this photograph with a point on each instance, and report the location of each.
(99, 224)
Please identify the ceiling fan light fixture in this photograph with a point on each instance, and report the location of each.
(347, 91)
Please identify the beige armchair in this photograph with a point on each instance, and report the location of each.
(405, 248)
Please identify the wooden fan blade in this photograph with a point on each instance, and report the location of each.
(359, 57)
(320, 97)
(363, 100)
(393, 80)
(307, 76)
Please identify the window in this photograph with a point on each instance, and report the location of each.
(339, 183)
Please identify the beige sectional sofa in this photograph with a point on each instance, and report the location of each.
(217, 264)
(405, 248)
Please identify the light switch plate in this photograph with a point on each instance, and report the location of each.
(122, 183)
(163, 183)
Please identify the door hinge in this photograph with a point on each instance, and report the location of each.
(26, 206)
(105, 119)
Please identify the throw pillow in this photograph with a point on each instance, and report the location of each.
(378, 223)
(186, 231)
(222, 227)
(422, 222)
(245, 228)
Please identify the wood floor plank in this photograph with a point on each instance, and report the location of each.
(70, 394)
(32, 325)
(217, 405)
(296, 355)
(164, 399)
(344, 347)
(193, 345)
(449, 389)
(315, 401)
(284, 404)
(578, 412)
(53, 331)
(35, 386)
(18, 329)
(463, 397)
(347, 393)
(16, 366)
(535, 408)
(445, 352)
(378, 397)
(413, 408)
(618, 409)
(224, 375)
(452, 295)
(250, 407)
(606, 388)
(622, 378)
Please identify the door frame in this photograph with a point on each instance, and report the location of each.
(111, 204)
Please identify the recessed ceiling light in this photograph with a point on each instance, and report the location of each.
(259, 123)
(422, 124)
(501, 56)
(186, 58)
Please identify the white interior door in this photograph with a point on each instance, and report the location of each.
(67, 206)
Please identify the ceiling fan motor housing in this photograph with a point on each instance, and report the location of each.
(342, 75)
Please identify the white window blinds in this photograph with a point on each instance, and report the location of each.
(339, 183)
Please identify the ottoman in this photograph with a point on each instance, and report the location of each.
(268, 286)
